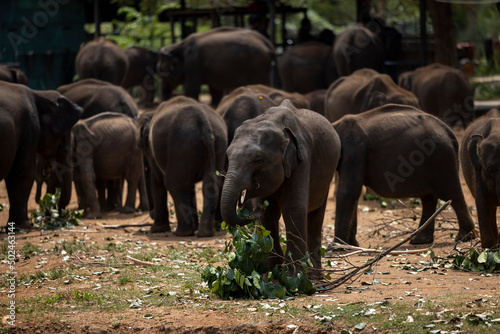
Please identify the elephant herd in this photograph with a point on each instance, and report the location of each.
(262, 153)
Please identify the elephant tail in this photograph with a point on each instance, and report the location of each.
(208, 139)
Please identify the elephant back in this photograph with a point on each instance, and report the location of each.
(96, 96)
(356, 48)
(102, 59)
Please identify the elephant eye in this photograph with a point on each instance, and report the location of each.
(258, 158)
(491, 170)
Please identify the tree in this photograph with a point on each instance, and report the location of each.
(445, 41)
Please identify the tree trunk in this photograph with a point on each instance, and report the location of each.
(444, 32)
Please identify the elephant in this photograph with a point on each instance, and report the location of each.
(287, 157)
(12, 74)
(443, 91)
(102, 59)
(307, 67)
(279, 95)
(31, 122)
(184, 142)
(356, 48)
(398, 151)
(96, 96)
(479, 153)
(106, 147)
(364, 90)
(240, 105)
(316, 100)
(247, 59)
(141, 72)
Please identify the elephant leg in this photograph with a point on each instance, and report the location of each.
(211, 194)
(159, 194)
(132, 185)
(19, 183)
(216, 96)
(101, 193)
(143, 194)
(115, 191)
(429, 203)
(88, 183)
(185, 209)
(82, 205)
(314, 233)
(133, 177)
(270, 221)
(466, 229)
(486, 215)
(147, 181)
(348, 192)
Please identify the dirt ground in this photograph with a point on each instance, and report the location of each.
(399, 277)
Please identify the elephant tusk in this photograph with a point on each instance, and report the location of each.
(243, 194)
(257, 186)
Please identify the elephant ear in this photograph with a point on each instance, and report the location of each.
(56, 112)
(475, 152)
(374, 100)
(405, 80)
(293, 151)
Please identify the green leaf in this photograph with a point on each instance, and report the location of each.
(483, 257)
(266, 244)
(496, 257)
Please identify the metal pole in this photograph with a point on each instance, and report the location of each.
(423, 32)
(97, 19)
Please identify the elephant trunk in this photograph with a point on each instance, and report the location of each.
(231, 194)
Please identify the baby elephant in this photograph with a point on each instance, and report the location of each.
(479, 155)
(106, 148)
(287, 157)
(399, 152)
(185, 142)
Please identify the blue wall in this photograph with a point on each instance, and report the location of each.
(42, 37)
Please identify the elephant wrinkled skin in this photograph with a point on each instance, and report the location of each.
(287, 157)
(105, 148)
(399, 152)
(479, 152)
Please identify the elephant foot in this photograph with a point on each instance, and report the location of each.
(127, 209)
(422, 239)
(466, 235)
(144, 207)
(159, 228)
(205, 232)
(184, 232)
(93, 215)
(23, 225)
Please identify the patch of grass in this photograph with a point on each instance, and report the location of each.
(72, 247)
(30, 250)
(112, 247)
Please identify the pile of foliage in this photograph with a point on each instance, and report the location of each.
(247, 256)
(473, 260)
(49, 216)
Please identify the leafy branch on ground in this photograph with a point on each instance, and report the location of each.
(478, 261)
(49, 216)
(247, 257)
